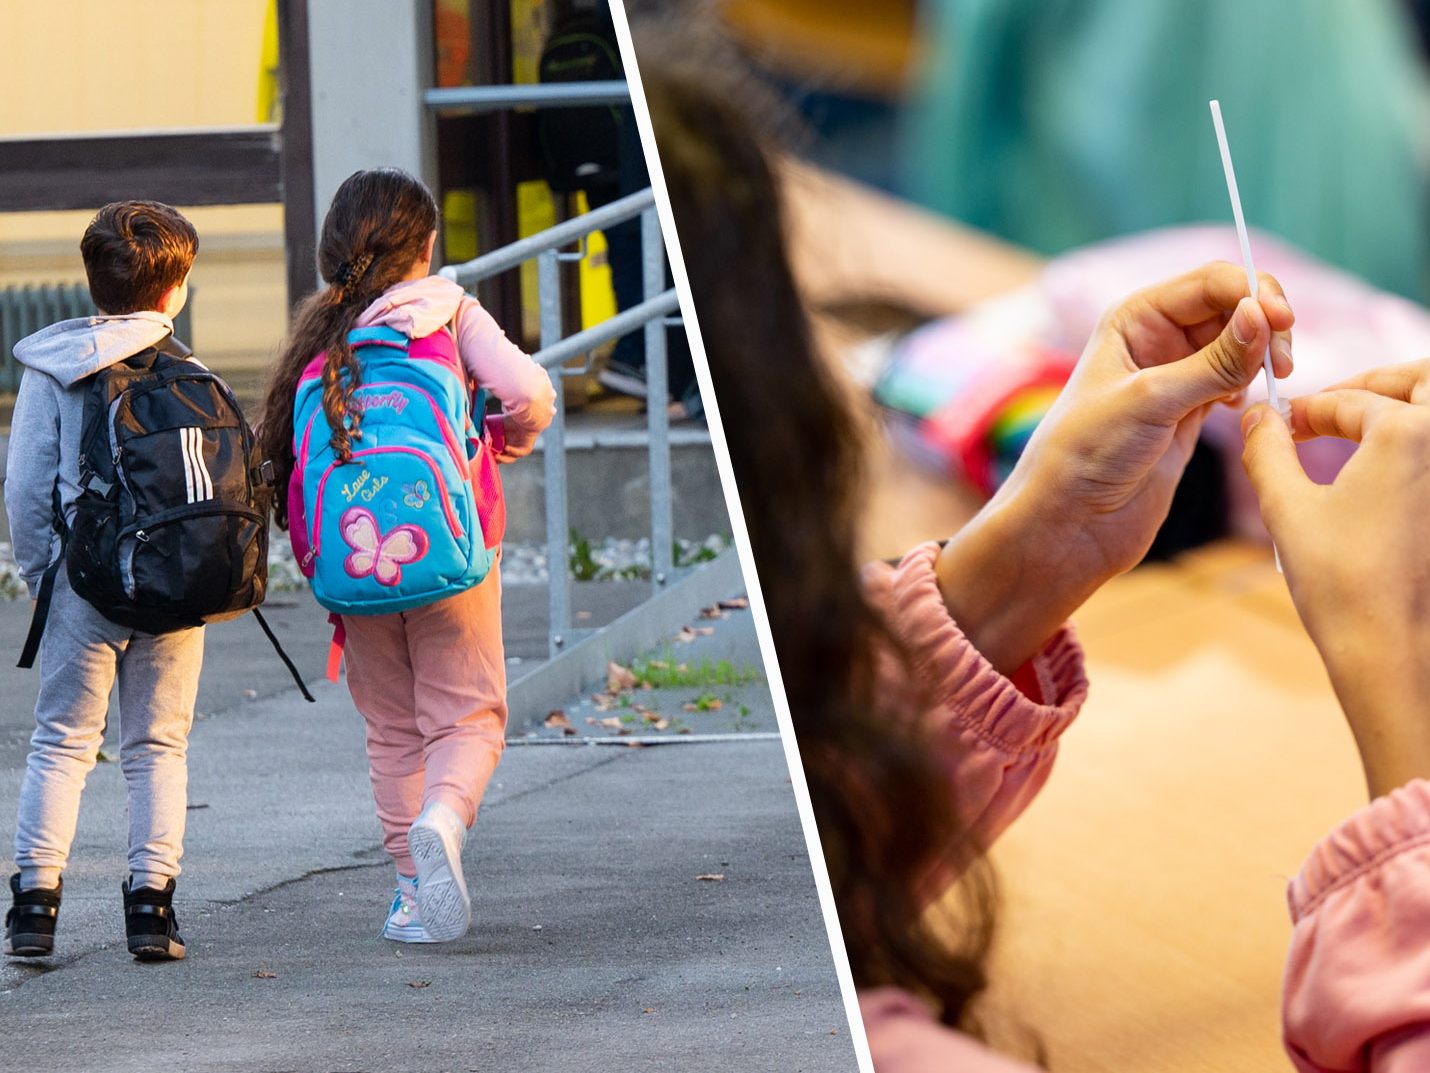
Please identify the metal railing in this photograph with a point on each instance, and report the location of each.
(557, 348)
(530, 95)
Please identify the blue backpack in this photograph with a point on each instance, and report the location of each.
(417, 514)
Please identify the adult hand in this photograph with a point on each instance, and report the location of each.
(1356, 554)
(1094, 485)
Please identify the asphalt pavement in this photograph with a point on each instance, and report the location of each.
(596, 943)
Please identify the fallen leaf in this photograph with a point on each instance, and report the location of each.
(703, 631)
(712, 612)
(264, 974)
(612, 723)
(648, 1009)
(420, 983)
(685, 730)
(604, 702)
(656, 720)
(633, 744)
(657, 665)
(735, 603)
(712, 877)
(685, 636)
(619, 678)
(556, 719)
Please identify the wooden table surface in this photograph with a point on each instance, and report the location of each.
(1144, 922)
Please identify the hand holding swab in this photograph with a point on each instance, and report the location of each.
(1245, 240)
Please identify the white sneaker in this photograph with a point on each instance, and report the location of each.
(404, 922)
(435, 842)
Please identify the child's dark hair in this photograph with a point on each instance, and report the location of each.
(135, 252)
(886, 813)
(376, 229)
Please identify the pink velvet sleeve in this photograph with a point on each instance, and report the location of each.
(504, 369)
(997, 743)
(1357, 991)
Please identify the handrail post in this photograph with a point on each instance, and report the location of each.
(662, 526)
(558, 568)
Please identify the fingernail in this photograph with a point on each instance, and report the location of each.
(1243, 323)
(1282, 349)
(1280, 300)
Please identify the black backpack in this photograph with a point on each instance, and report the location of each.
(580, 147)
(170, 527)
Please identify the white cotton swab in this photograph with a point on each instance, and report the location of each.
(1245, 240)
(1242, 236)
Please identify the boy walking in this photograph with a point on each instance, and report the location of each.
(137, 255)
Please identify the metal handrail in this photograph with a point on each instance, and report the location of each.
(532, 95)
(573, 346)
(563, 234)
(558, 348)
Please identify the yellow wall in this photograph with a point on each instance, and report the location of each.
(91, 65)
(78, 66)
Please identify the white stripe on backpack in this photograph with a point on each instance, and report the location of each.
(197, 482)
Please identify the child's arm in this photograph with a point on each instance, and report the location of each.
(1357, 994)
(499, 365)
(996, 736)
(31, 467)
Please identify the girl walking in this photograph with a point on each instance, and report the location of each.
(395, 514)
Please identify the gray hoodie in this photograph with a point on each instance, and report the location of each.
(45, 430)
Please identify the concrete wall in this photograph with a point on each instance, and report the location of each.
(370, 64)
(610, 494)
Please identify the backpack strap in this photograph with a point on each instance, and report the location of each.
(273, 640)
(339, 643)
(46, 595)
(171, 346)
(41, 615)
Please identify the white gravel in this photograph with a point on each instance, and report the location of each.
(522, 564)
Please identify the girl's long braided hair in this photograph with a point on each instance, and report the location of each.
(885, 811)
(376, 229)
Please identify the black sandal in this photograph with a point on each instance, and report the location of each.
(150, 923)
(30, 923)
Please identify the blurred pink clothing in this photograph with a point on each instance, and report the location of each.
(1357, 987)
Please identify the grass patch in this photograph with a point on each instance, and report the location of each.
(669, 673)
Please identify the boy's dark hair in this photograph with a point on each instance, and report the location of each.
(134, 251)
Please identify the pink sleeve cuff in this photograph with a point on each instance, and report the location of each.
(1385, 828)
(962, 683)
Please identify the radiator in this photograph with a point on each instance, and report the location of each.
(30, 307)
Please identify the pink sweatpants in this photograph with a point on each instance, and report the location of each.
(431, 684)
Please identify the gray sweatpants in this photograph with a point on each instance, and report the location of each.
(82, 657)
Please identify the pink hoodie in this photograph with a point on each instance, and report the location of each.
(1357, 988)
(422, 306)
